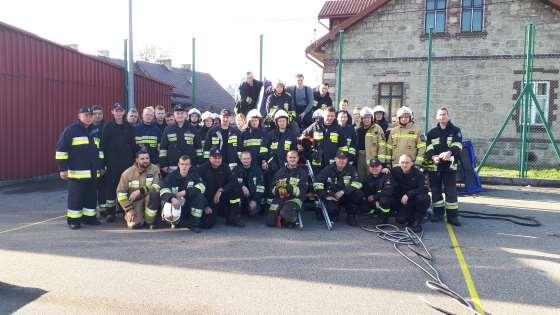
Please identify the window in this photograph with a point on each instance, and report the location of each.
(541, 89)
(471, 17)
(390, 96)
(435, 15)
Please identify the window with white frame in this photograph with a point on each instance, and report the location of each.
(436, 15)
(542, 92)
(472, 15)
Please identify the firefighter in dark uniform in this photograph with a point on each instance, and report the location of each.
(207, 123)
(348, 133)
(410, 193)
(148, 135)
(444, 144)
(279, 100)
(248, 94)
(120, 149)
(223, 194)
(194, 118)
(327, 140)
(321, 98)
(250, 178)
(339, 187)
(185, 188)
(177, 140)
(277, 143)
(80, 160)
(378, 192)
(253, 137)
(289, 186)
(99, 123)
(226, 138)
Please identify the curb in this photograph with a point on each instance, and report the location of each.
(6, 183)
(520, 182)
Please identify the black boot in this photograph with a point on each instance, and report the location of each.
(416, 226)
(91, 221)
(381, 218)
(453, 218)
(437, 216)
(351, 220)
(74, 226)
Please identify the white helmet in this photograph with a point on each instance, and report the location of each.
(404, 110)
(193, 111)
(254, 113)
(281, 113)
(206, 115)
(366, 111)
(170, 214)
(317, 114)
(378, 108)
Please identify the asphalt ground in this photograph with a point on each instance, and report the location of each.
(47, 268)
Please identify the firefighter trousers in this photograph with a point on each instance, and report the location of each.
(414, 210)
(143, 210)
(82, 200)
(444, 181)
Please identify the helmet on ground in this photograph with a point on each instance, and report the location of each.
(281, 113)
(404, 110)
(170, 214)
(193, 111)
(254, 113)
(366, 111)
(378, 108)
(206, 115)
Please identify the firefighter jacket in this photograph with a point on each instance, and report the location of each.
(79, 152)
(99, 128)
(119, 146)
(199, 140)
(321, 101)
(380, 187)
(384, 124)
(276, 145)
(406, 140)
(248, 97)
(275, 102)
(412, 184)
(252, 178)
(134, 178)
(252, 140)
(216, 178)
(175, 142)
(228, 141)
(149, 136)
(375, 144)
(442, 140)
(326, 141)
(349, 134)
(330, 180)
(294, 181)
(174, 183)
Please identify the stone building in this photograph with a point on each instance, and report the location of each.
(477, 67)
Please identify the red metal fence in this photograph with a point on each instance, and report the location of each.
(42, 86)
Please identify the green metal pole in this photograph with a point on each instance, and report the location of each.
(513, 109)
(546, 126)
(528, 81)
(193, 73)
(429, 83)
(125, 76)
(261, 57)
(339, 70)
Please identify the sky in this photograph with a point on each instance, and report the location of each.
(227, 32)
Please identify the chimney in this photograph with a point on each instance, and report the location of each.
(186, 66)
(72, 46)
(103, 53)
(165, 61)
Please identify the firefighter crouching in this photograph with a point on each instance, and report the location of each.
(289, 187)
(182, 194)
(339, 187)
(138, 191)
(250, 179)
(80, 160)
(378, 192)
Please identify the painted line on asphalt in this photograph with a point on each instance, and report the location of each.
(31, 224)
(465, 269)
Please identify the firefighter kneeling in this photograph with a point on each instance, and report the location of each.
(289, 186)
(378, 191)
(138, 191)
(339, 187)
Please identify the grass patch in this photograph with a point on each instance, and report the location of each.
(545, 173)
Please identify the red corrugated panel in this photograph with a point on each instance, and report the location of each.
(42, 85)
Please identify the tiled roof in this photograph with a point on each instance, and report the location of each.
(343, 8)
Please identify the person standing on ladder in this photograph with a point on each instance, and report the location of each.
(444, 143)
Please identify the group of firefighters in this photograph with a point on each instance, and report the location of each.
(188, 168)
